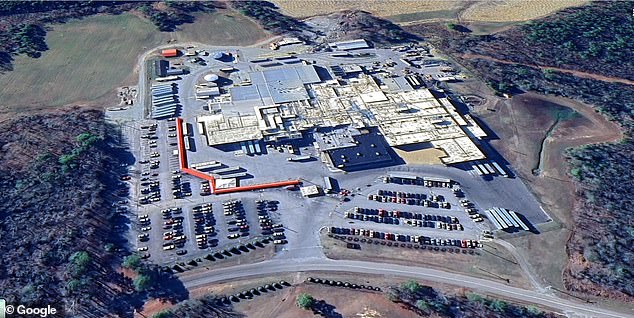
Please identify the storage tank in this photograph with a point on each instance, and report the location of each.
(211, 77)
(218, 55)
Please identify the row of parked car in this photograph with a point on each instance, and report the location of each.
(151, 190)
(407, 215)
(372, 218)
(180, 188)
(204, 229)
(436, 225)
(174, 236)
(471, 210)
(236, 219)
(420, 239)
(409, 201)
(267, 226)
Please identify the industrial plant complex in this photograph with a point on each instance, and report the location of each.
(310, 139)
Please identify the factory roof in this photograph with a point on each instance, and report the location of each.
(369, 149)
(310, 191)
(350, 45)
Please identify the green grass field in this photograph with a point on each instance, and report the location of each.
(222, 28)
(87, 59)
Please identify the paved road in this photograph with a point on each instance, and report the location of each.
(278, 266)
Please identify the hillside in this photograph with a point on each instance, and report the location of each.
(600, 248)
(598, 38)
(56, 225)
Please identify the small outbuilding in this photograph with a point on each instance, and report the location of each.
(310, 191)
(169, 53)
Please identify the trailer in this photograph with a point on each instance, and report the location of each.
(489, 168)
(167, 78)
(518, 220)
(494, 220)
(506, 214)
(477, 169)
(185, 129)
(158, 88)
(234, 176)
(251, 148)
(505, 217)
(164, 104)
(483, 169)
(161, 116)
(170, 106)
(186, 140)
(499, 169)
(164, 111)
(498, 219)
(257, 147)
(168, 98)
(243, 146)
(201, 128)
(163, 85)
(406, 62)
(228, 170)
(207, 165)
(413, 80)
(299, 158)
(328, 186)
(162, 93)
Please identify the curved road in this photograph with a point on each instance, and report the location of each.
(274, 267)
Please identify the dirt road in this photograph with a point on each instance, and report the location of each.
(563, 70)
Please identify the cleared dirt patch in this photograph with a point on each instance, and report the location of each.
(521, 125)
(408, 11)
(515, 10)
(344, 301)
(380, 8)
(491, 262)
(427, 156)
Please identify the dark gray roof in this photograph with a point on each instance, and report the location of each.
(370, 150)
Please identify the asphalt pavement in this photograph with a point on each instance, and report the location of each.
(276, 267)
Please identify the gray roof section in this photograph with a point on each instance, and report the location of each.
(350, 45)
(279, 85)
(305, 73)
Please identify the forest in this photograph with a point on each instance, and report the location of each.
(597, 38)
(603, 234)
(425, 301)
(54, 219)
(57, 215)
(268, 16)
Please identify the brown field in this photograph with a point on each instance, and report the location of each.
(521, 125)
(515, 10)
(87, 59)
(302, 9)
(427, 156)
(346, 302)
(493, 262)
(408, 11)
